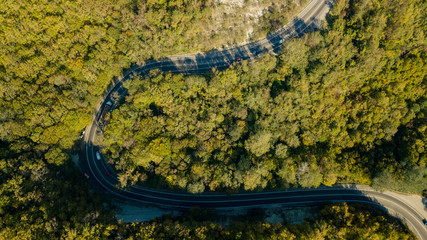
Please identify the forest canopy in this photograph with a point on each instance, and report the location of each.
(329, 108)
(56, 59)
(365, 69)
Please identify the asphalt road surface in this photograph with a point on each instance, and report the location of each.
(103, 176)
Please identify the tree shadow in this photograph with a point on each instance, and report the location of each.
(203, 63)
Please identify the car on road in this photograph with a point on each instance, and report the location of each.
(425, 222)
(87, 176)
(239, 59)
(108, 173)
(98, 156)
(109, 103)
(281, 41)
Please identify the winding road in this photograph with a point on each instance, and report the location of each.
(99, 173)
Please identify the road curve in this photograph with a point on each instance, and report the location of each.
(309, 19)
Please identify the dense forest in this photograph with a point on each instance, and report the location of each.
(57, 57)
(335, 222)
(346, 104)
(339, 221)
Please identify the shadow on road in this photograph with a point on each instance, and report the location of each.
(202, 63)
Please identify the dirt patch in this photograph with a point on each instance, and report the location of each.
(274, 214)
(136, 213)
(75, 159)
(298, 215)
